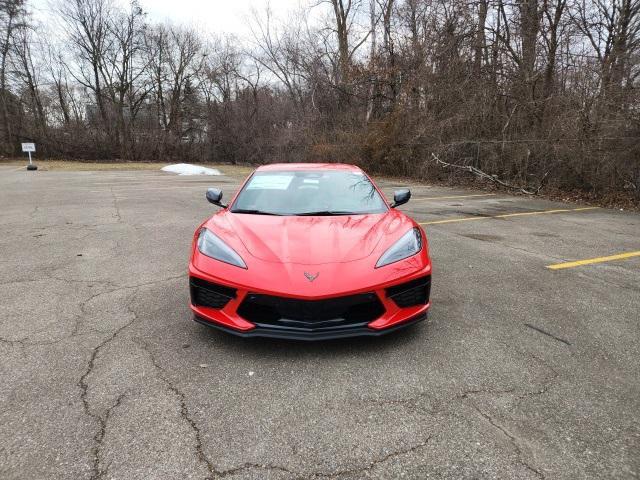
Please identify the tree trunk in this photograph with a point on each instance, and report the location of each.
(342, 31)
(480, 40)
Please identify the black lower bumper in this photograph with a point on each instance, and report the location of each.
(309, 335)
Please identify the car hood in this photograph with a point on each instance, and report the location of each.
(310, 240)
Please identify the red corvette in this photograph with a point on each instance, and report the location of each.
(309, 252)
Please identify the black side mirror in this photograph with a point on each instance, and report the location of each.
(214, 195)
(400, 197)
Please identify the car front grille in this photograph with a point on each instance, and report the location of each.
(410, 294)
(211, 295)
(354, 311)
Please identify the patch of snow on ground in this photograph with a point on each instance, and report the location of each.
(188, 169)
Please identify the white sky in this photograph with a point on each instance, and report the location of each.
(214, 16)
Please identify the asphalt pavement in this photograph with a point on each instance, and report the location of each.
(521, 371)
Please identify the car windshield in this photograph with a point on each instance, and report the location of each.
(310, 192)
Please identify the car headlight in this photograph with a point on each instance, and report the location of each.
(212, 246)
(409, 244)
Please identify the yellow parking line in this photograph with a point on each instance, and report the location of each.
(506, 215)
(589, 261)
(454, 197)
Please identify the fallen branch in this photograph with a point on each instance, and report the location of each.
(493, 178)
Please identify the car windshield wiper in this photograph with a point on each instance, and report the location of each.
(326, 213)
(254, 212)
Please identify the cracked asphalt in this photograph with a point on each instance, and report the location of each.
(520, 371)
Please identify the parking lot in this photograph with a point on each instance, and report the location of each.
(521, 371)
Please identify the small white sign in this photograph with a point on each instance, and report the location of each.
(28, 147)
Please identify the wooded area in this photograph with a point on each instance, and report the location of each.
(538, 93)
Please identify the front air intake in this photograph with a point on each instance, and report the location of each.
(210, 295)
(410, 294)
(331, 314)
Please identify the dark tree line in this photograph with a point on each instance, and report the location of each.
(530, 91)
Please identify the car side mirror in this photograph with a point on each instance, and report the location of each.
(400, 197)
(214, 195)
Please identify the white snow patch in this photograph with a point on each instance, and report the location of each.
(188, 169)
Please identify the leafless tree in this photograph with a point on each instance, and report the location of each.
(11, 19)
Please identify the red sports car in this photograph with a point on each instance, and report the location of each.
(309, 252)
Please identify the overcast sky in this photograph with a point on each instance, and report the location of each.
(216, 16)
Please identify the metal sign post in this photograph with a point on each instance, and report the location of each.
(28, 148)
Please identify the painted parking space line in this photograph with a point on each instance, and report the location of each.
(590, 261)
(507, 215)
(452, 197)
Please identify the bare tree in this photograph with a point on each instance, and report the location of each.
(11, 19)
(27, 74)
(86, 24)
(175, 59)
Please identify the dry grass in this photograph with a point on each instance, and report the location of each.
(237, 170)
(76, 166)
(73, 165)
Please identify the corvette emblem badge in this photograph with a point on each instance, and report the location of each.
(310, 276)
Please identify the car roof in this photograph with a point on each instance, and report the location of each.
(274, 167)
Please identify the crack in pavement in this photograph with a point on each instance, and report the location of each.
(199, 445)
(468, 395)
(99, 437)
(412, 401)
(184, 410)
(119, 288)
(254, 466)
(24, 341)
(512, 439)
(84, 389)
(480, 391)
(116, 206)
(546, 385)
(76, 280)
(373, 464)
(315, 475)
